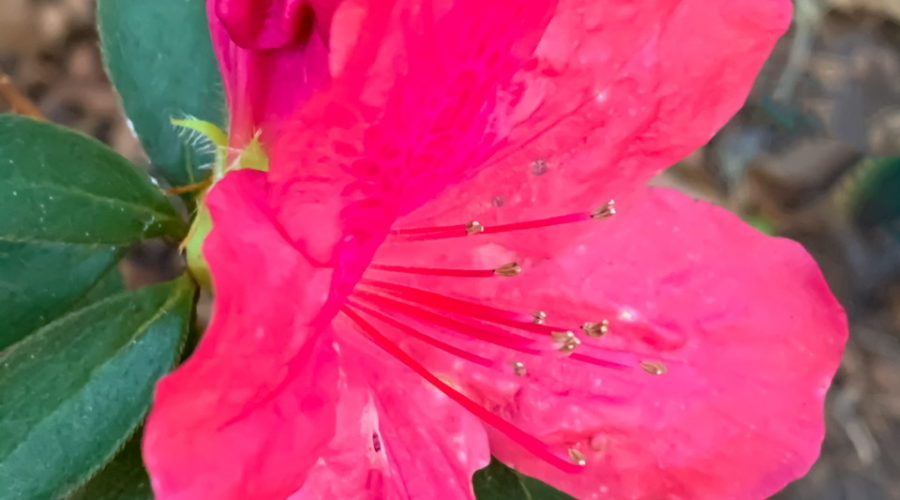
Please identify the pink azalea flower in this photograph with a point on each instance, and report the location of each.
(430, 272)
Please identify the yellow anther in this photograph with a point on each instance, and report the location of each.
(566, 341)
(597, 329)
(607, 210)
(474, 227)
(654, 367)
(577, 457)
(508, 270)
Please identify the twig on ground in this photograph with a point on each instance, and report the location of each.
(18, 101)
(197, 186)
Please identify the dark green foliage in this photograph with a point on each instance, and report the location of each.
(122, 479)
(74, 391)
(876, 199)
(159, 56)
(71, 206)
(499, 482)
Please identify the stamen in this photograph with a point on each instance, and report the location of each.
(566, 341)
(519, 369)
(527, 441)
(570, 346)
(447, 303)
(511, 269)
(409, 301)
(561, 337)
(539, 317)
(595, 330)
(474, 227)
(577, 457)
(521, 321)
(617, 357)
(468, 356)
(605, 211)
(654, 367)
(584, 358)
(486, 333)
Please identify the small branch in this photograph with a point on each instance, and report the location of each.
(197, 186)
(19, 103)
(807, 17)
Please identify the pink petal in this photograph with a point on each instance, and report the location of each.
(266, 24)
(744, 323)
(416, 103)
(397, 437)
(409, 105)
(594, 96)
(617, 92)
(248, 413)
(273, 55)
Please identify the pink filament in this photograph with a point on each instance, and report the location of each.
(485, 313)
(485, 333)
(527, 441)
(468, 356)
(428, 271)
(584, 358)
(450, 304)
(458, 230)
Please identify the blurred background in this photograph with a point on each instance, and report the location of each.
(813, 156)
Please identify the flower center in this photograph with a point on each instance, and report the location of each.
(386, 313)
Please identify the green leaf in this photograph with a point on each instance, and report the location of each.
(499, 482)
(159, 56)
(111, 283)
(74, 391)
(61, 187)
(124, 478)
(875, 201)
(40, 282)
(71, 205)
(762, 224)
